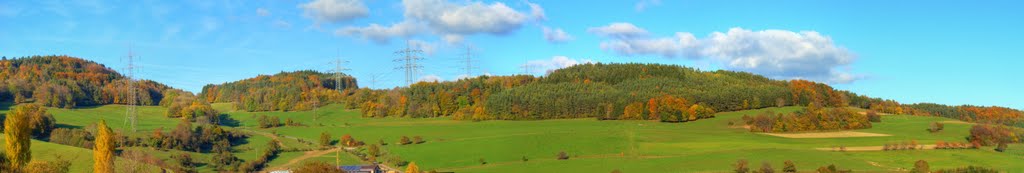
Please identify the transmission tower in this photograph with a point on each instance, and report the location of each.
(338, 67)
(131, 114)
(408, 58)
(468, 60)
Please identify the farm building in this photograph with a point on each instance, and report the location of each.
(361, 169)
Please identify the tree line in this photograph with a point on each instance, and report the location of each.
(669, 93)
(285, 91)
(812, 118)
(65, 82)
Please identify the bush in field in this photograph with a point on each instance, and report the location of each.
(405, 140)
(417, 140)
(766, 168)
(563, 156)
(741, 166)
(874, 117)
(789, 167)
(920, 166)
(936, 127)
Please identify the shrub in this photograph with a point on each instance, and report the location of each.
(874, 117)
(741, 167)
(1001, 147)
(920, 166)
(404, 141)
(563, 156)
(766, 168)
(417, 140)
(72, 137)
(789, 167)
(936, 127)
(482, 161)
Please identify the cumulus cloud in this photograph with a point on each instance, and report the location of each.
(472, 18)
(262, 12)
(549, 65)
(450, 21)
(334, 10)
(430, 78)
(556, 35)
(381, 34)
(774, 53)
(619, 30)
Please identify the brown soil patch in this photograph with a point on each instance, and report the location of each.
(840, 134)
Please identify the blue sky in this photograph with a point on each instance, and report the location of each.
(911, 51)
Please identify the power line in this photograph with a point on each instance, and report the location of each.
(408, 58)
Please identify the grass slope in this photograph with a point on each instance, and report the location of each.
(633, 146)
(709, 145)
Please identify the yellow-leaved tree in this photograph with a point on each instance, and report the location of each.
(103, 154)
(412, 168)
(17, 132)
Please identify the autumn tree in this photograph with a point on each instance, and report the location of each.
(412, 168)
(741, 166)
(789, 167)
(766, 168)
(17, 134)
(325, 139)
(404, 140)
(103, 153)
(633, 111)
(920, 166)
(373, 150)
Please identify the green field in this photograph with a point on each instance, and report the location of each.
(710, 145)
(636, 146)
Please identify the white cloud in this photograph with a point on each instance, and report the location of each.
(449, 20)
(773, 53)
(549, 65)
(334, 10)
(536, 11)
(472, 18)
(430, 78)
(427, 47)
(262, 12)
(556, 35)
(667, 47)
(381, 34)
(643, 4)
(619, 30)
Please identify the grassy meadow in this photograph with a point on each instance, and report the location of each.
(710, 145)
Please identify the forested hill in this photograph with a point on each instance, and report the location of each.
(64, 81)
(608, 91)
(285, 91)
